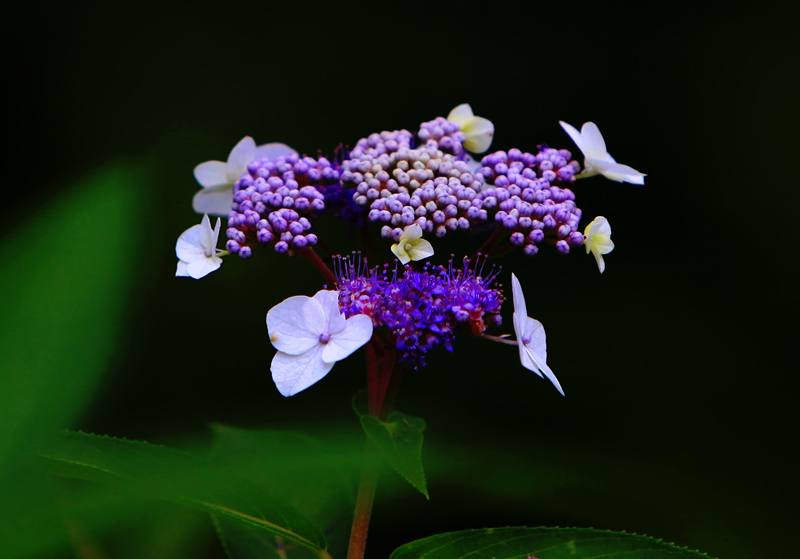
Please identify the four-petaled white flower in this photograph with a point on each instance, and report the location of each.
(530, 337)
(196, 250)
(597, 239)
(597, 161)
(479, 131)
(217, 178)
(411, 245)
(311, 334)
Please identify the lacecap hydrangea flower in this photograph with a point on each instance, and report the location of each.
(531, 338)
(597, 160)
(196, 250)
(311, 334)
(598, 240)
(217, 177)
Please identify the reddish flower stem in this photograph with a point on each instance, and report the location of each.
(383, 380)
(309, 254)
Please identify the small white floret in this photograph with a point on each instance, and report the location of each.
(597, 240)
(597, 161)
(479, 131)
(411, 245)
(311, 334)
(531, 338)
(217, 178)
(196, 250)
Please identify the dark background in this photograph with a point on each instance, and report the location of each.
(680, 416)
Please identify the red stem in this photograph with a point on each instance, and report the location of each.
(383, 380)
(309, 254)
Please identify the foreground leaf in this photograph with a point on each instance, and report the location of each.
(542, 543)
(166, 473)
(399, 440)
(65, 277)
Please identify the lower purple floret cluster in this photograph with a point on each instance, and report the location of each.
(395, 179)
(421, 309)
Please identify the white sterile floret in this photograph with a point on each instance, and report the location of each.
(196, 250)
(597, 240)
(479, 131)
(530, 337)
(311, 334)
(597, 161)
(411, 245)
(217, 178)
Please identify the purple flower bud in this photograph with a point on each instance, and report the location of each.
(563, 247)
(233, 247)
(299, 241)
(281, 247)
(530, 249)
(245, 252)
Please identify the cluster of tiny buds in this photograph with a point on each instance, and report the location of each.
(271, 202)
(376, 145)
(531, 198)
(446, 135)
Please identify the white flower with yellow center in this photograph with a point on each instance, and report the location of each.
(479, 131)
(311, 334)
(597, 161)
(597, 239)
(217, 178)
(530, 337)
(411, 245)
(196, 250)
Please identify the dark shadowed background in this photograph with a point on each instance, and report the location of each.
(679, 419)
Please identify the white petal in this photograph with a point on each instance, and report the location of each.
(595, 146)
(598, 226)
(203, 266)
(334, 318)
(397, 250)
(526, 358)
(242, 153)
(293, 373)
(216, 201)
(616, 172)
(601, 264)
(480, 132)
(357, 332)
(420, 250)
(188, 247)
(548, 372)
(461, 114)
(293, 328)
(518, 298)
(211, 173)
(574, 134)
(411, 233)
(182, 270)
(273, 151)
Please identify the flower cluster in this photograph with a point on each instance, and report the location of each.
(421, 309)
(273, 200)
(409, 185)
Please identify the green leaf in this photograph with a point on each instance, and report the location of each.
(166, 473)
(312, 476)
(65, 277)
(542, 543)
(399, 440)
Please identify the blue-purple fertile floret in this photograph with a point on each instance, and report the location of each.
(273, 201)
(421, 309)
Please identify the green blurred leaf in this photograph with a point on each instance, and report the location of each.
(542, 543)
(63, 283)
(399, 440)
(313, 476)
(166, 473)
